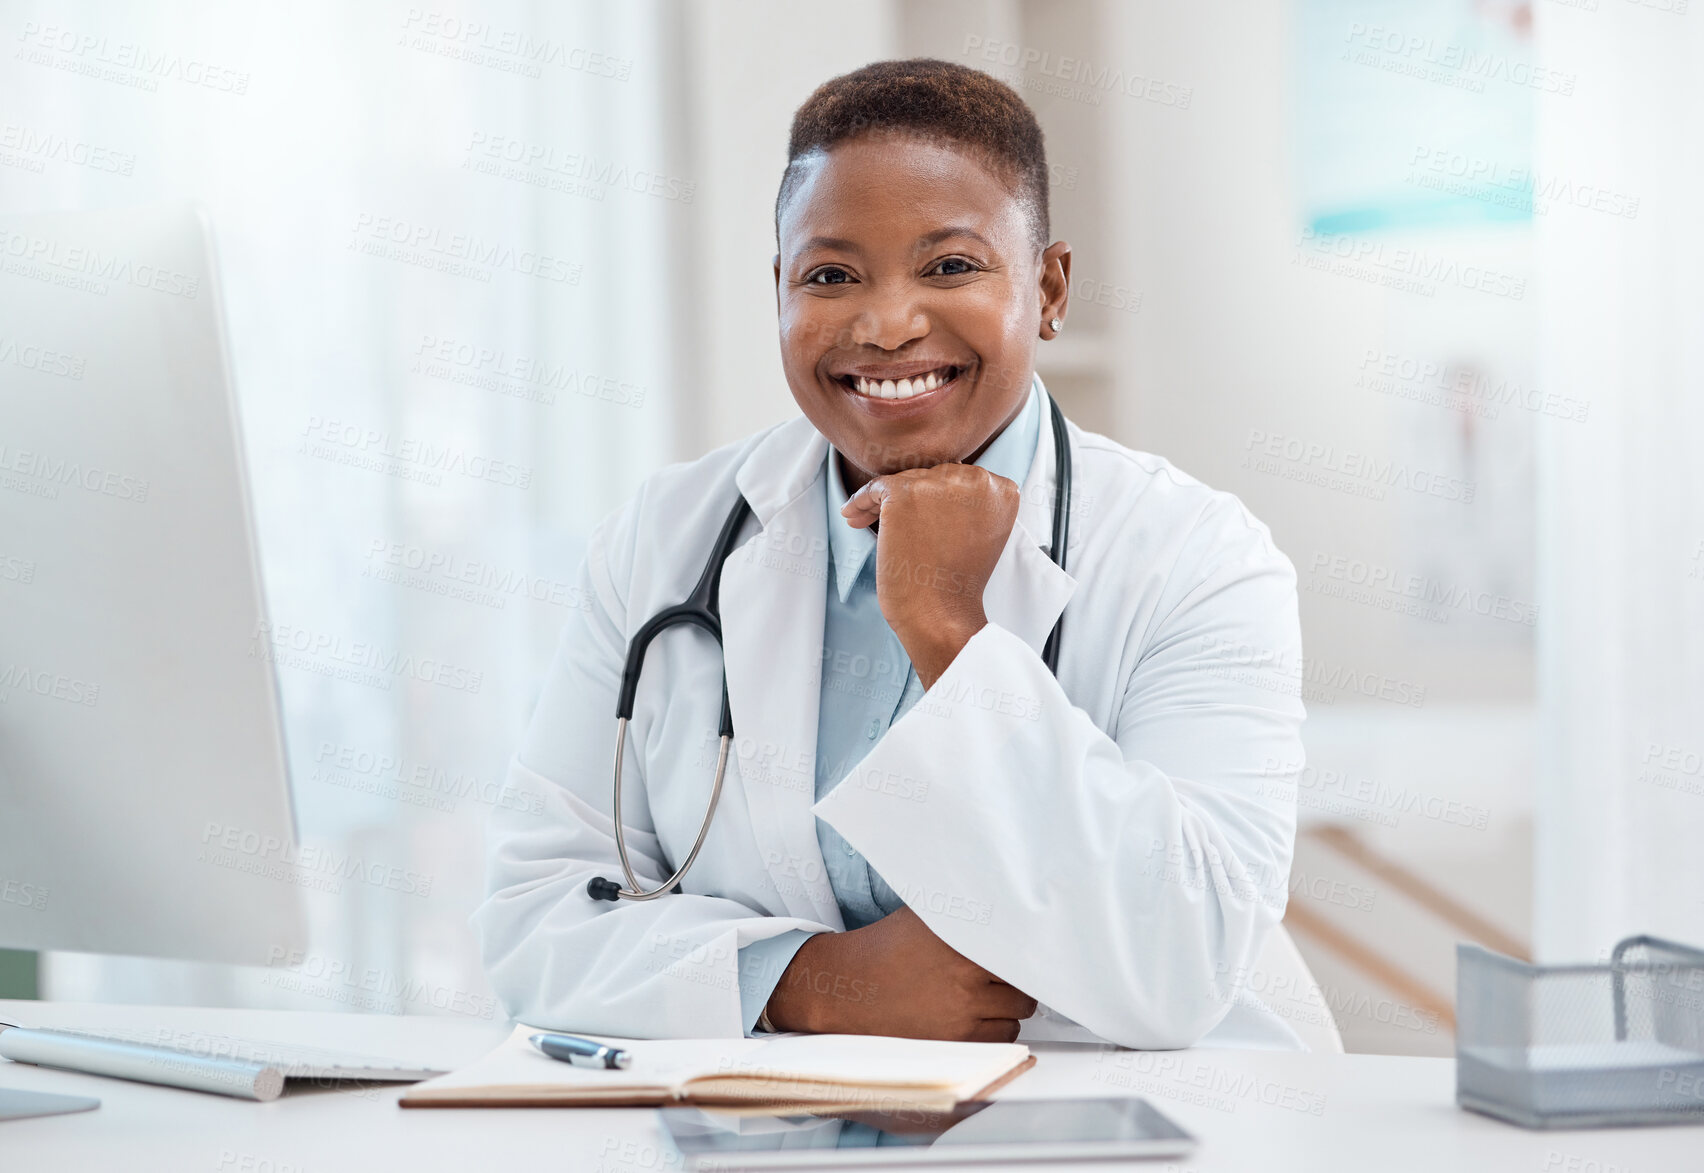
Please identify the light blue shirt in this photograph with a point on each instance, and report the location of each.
(867, 685)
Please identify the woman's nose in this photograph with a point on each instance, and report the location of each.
(889, 320)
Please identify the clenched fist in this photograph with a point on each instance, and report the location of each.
(895, 977)
(939, 532)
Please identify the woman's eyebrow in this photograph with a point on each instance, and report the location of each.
(928, 240)
(940, 234)
(834, 242)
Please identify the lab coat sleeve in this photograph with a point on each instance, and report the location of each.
(761, 967)
(555, 957)
(1124, 880)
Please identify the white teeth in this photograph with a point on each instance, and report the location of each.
(900, 388)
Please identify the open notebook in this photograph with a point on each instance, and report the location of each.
(812, 1072)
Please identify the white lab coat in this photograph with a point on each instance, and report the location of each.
(1116, 843)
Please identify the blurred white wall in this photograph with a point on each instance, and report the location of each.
(747, 67)
(341, 155)
(1621, 779)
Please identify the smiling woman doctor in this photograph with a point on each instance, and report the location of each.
(922, 830)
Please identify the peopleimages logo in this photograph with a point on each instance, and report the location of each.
(41, 359)
(469, 579)
(34, 147)
(1281, 672)
(1318, 787)
(1418, 270)
(508, 49)
(1358, 580)
(329, 654)
(368, 987)
(459, 254)
(520, 376)
(386, 774)
(381, 450)
(95, 264)
(1426, 58)
(23, 894)
(39, 474)
(1095, 79)
(1463, 174)
(44, 682)
(1360, 473)
(15, 569)
(1459, 385)
(487, 153)
(136, 64)
(1190, 1077)
(268, 855)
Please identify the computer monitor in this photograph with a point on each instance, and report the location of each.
(145, 804)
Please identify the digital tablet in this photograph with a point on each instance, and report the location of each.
(973, 1133)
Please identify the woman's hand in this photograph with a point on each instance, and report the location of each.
(895, 977)
(941, 532)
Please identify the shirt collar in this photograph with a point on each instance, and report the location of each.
(1010, 455)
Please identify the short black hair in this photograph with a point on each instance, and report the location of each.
(939, 102)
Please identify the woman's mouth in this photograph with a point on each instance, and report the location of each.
(907, 388)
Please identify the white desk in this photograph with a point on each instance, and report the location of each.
(1252, 1111)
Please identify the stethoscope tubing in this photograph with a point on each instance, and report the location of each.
(702, 609)
(636, 890)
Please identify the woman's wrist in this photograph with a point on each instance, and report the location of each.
(933, 651)
(783, 1012)
(791, 1003)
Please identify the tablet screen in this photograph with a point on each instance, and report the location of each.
(1004, 1129)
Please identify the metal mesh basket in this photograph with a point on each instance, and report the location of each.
(1572, 1046)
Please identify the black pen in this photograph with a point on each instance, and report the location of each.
(580, 1052)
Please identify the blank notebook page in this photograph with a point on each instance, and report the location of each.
(665, 1065)
(657, 1063)
(876, 1060)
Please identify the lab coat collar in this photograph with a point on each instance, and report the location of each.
(785, 463)
(774, 596)
(848, 549)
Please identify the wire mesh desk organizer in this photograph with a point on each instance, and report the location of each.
(1580, 1046)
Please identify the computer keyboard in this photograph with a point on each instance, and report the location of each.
(293, 1060)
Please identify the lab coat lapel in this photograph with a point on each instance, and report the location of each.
(774, 595)
(1028, 591)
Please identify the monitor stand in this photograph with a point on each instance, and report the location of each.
(15, 1104)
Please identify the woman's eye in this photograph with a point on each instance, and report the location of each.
(830, 276)
(945, 267)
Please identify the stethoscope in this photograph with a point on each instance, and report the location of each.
(703, 609)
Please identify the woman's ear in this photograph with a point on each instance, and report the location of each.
(1054, 286)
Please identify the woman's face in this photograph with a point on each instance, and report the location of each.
(907, 267)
